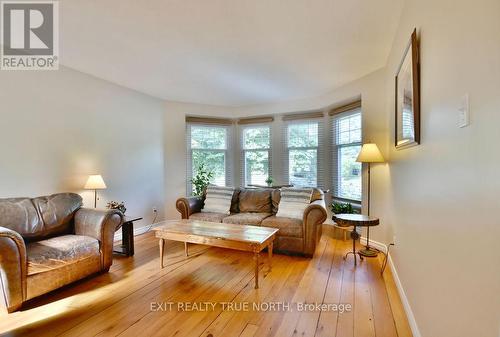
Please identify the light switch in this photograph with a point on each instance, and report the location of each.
(464, 112)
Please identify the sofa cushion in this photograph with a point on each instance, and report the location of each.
(208, 216)
(246, 218)
(294, 202)
(258, 201)
(218, 199)
(287, 226)
(38, 218)
(59, 251)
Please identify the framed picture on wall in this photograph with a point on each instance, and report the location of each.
(408, 96)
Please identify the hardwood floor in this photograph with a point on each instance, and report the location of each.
(131, 298)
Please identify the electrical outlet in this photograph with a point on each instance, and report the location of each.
(464, 112)
(155, 210)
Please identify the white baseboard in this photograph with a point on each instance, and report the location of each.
(375, 244)
(404, 300)
(137, 231)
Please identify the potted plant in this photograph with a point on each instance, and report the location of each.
(117, 205)
(342, 208)
(269, 181)
(201, 180)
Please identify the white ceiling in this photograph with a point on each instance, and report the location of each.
(228, 52)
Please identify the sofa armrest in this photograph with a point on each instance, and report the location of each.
(101, 225)
(189, 205)
(13, 269)
(314, 216)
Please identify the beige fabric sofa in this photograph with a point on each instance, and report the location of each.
(258, 207)
(48, 242)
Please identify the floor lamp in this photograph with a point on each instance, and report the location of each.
(95, 182)
(369, 154)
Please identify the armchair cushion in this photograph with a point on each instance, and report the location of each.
(59, 251)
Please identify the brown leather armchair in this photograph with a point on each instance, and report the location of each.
(48, 242)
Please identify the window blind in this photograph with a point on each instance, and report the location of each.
(346, 144)
(211, 145)
(303, 149)
(255, 153)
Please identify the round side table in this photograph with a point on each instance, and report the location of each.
(355, 220)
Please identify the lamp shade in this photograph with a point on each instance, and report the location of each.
(95, 182)
(370, 154)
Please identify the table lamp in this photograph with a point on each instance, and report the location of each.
(95, 182)
(369, 154)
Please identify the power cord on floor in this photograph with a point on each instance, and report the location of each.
(152, 222)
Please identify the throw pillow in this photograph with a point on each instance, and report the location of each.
(218, 199)
(294, 202)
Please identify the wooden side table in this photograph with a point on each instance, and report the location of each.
(127, 246)
(355, 220)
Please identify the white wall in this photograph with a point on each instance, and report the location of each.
(57, 127)
(443, 200)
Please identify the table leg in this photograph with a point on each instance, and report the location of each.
(270, 255)
(256, 258)
(186, 249)
(162, 246)
(131, 240)
(354, 236)
(354, 248)
(125, 238)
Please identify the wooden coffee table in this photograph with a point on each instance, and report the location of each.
(239, 237)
